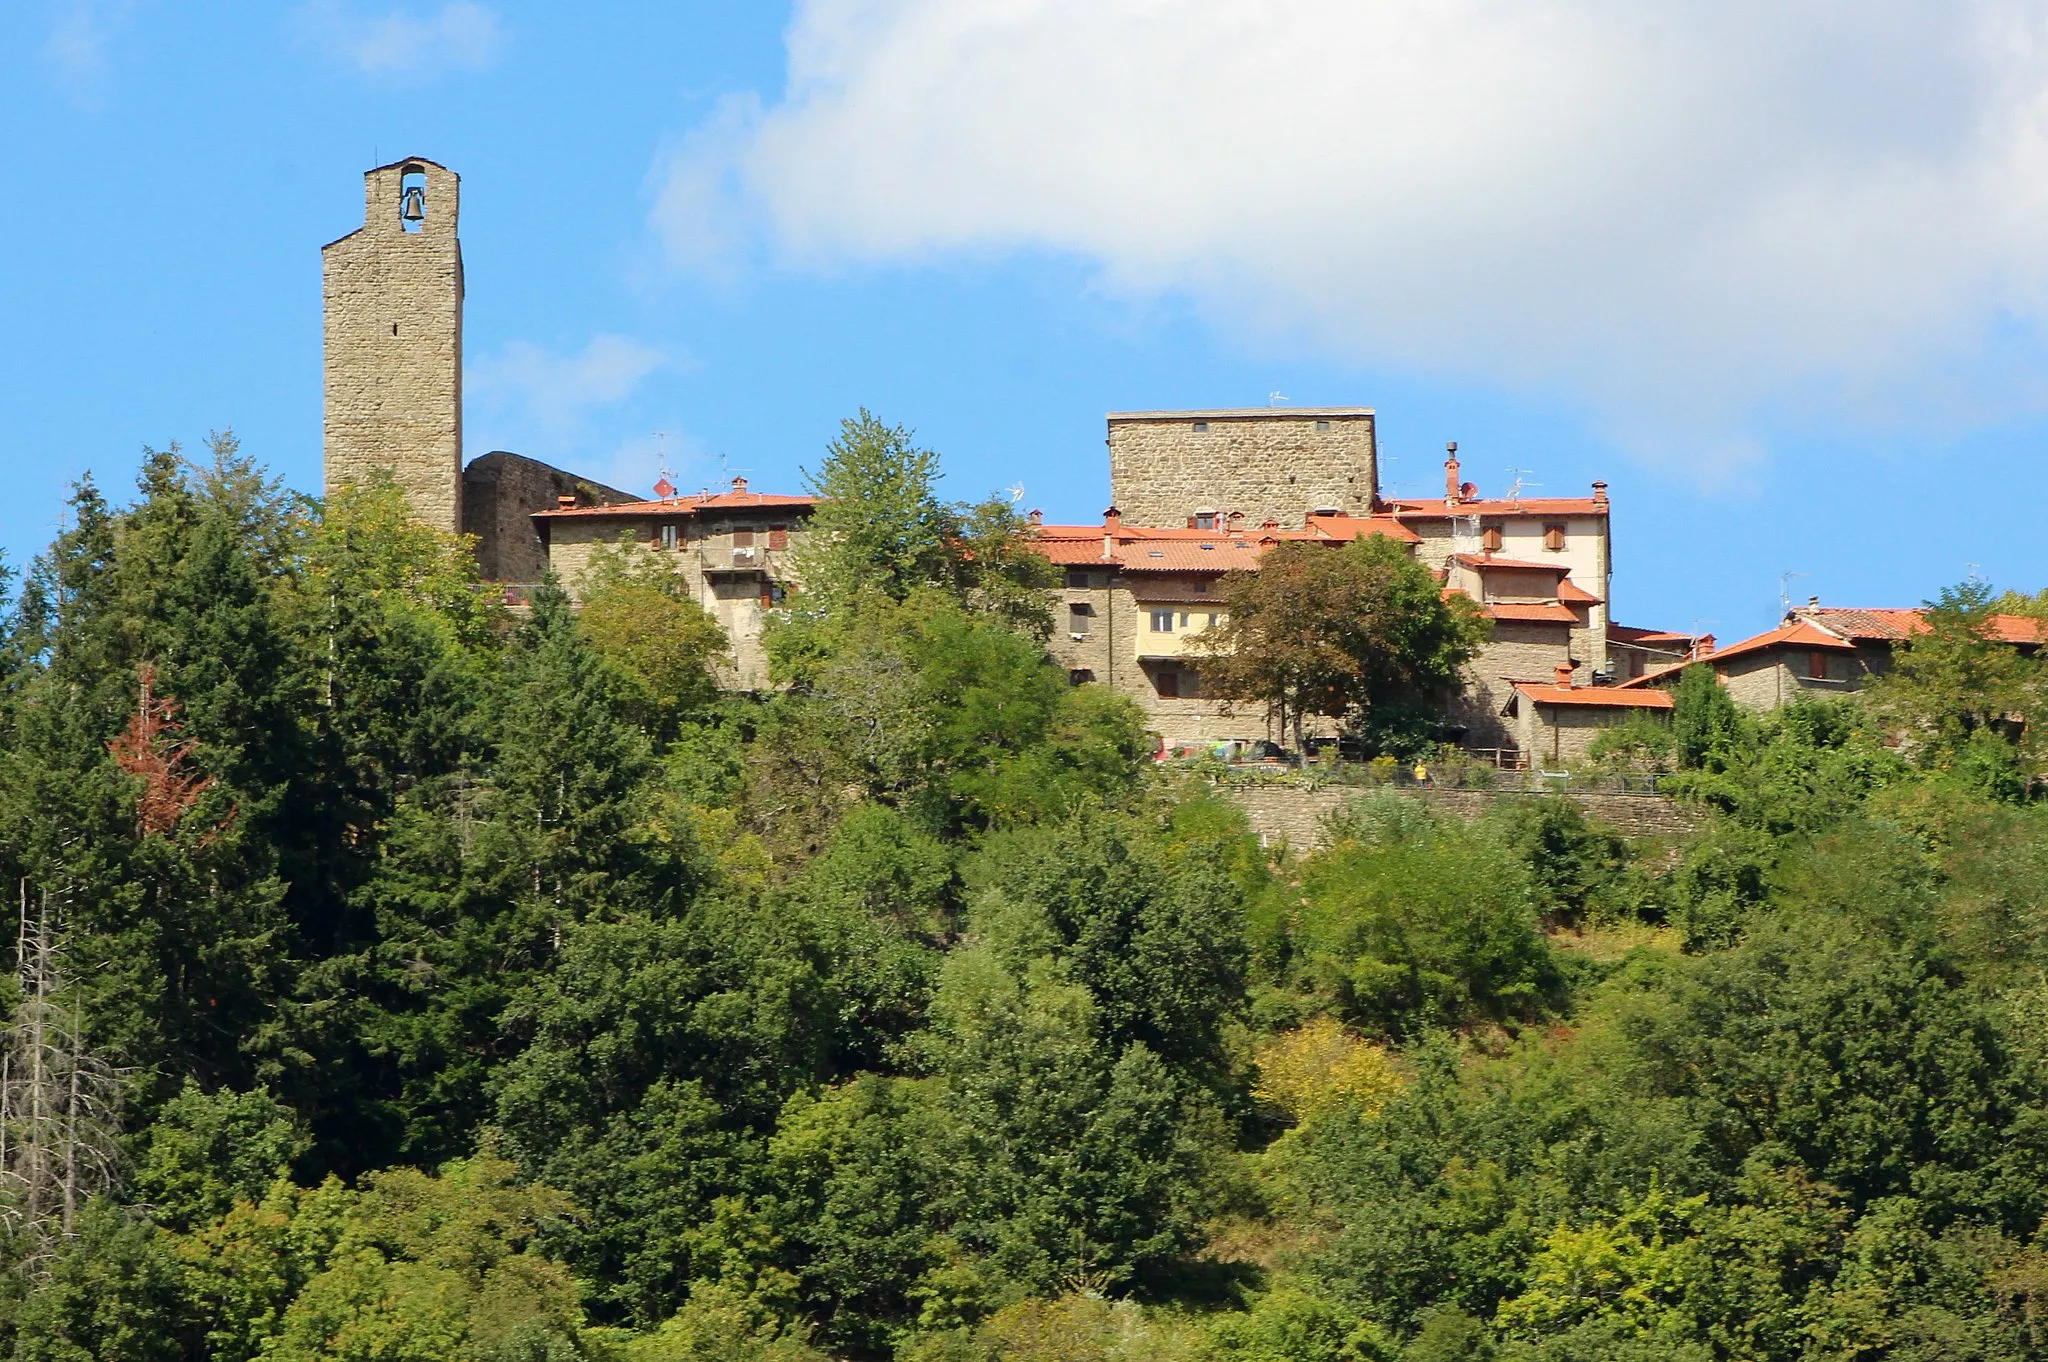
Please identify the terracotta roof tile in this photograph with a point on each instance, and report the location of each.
(1599, 697)
(1521, 507)
(1347, 528)
(722, 501)
(1572, 593)
(1529, 612)
(1483, 561)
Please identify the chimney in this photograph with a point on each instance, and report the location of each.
(1036, 517)
(1451, 471)
(1564, 675)
(1599, 494)
(739, 487)
(1112, 521)
(1703, 646)
(565, 502)
(1813, 602)
(1270, 525)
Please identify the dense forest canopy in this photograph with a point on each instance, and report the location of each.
(402, 978)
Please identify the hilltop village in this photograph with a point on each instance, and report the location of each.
(1194, 495)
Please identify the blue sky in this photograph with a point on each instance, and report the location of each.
(1784, 296)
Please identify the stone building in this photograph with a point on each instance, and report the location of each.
(1239, 468)
(733, 548)
(392, 295)
(1554, 724)
(1199, 492)
(1821, 650)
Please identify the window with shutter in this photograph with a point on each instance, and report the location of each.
(778, 536)
(1489, 539)
(1553, 538)
(1169, 685)
(743, 539)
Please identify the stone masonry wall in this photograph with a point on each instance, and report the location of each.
(393, 346)
(1295, 814)
(500, 493)
(1275, 464)
(1518, 651)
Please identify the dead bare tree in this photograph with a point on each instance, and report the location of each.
(59, 1102)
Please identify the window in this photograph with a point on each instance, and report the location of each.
(1079, 579)
(1080, 619)
(1553, 538)
(1817, 665)
(743, 539)
(1209, 621)
(1205, 520)
(773, 594)
(1183, 619)
(778, 536)
(1080, 676)
(1322, 425)
(1489, 539)
(668, 536)
(1201, 427)
(1162, 621)
(1168, 684)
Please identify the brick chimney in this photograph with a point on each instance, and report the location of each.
(1451, 471)
(1703, 646)
(739, 487)
(1036, 517)
(1564, 675)
(1112, 521)
(566, 502)
(1599, 494)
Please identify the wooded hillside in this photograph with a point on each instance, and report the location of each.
(403, 979)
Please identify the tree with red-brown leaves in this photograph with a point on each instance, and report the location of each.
(154, 749)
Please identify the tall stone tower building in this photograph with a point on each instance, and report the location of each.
(393, 292)
(1219, 469)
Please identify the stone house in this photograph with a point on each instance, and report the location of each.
(733, 548)
(1553, 725)
(1821, 650)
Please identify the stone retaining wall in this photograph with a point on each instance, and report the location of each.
(1295, 813)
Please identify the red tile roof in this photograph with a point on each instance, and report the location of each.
(1483, 561)
(1574, 594)
(1622, 633)
(1600, 697)
(1793, 634)
(721, 501)
(1892, 624)
(1209, 555)
(1439, 509)
(1346, 527)
(1530, 612)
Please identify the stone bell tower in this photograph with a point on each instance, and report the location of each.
(393, 336)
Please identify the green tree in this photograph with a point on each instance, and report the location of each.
(639, 617)
(1355, 633)
(1968, 701)
(880, 528)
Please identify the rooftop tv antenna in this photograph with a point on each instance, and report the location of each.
(1521, 480)
(1016, 492)
(665, 484)
(1785, 587)
(1274, 399)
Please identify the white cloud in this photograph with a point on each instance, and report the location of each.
(77, 45)
(1676, 216)
(552, 395)
(396, 42)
